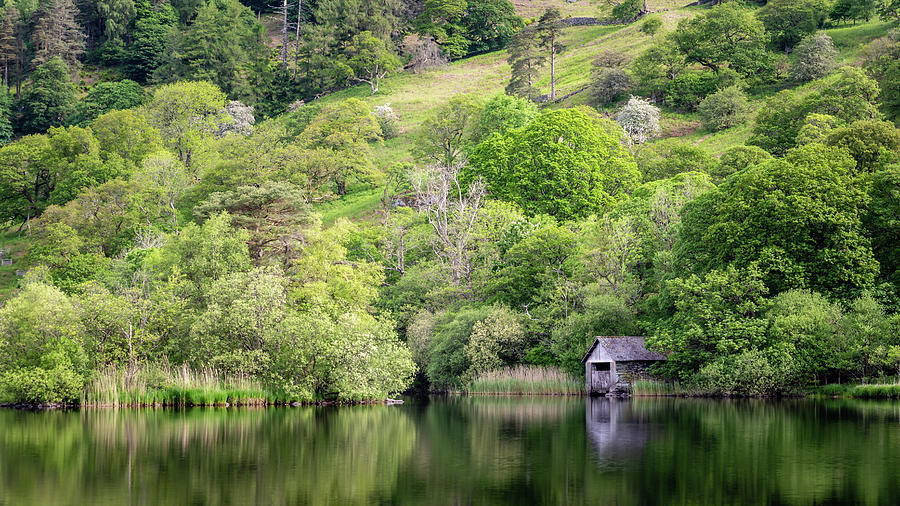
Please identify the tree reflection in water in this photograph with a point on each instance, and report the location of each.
(460, 450)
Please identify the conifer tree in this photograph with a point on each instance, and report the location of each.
(57, 33)
(526, 59)
(8, 42)
(549, 29)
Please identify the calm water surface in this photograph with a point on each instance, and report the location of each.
(459, 451)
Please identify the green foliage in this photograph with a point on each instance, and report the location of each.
(797, 222)
(502, 114)
(202, 254)
(224, 45)
(688, 89)
(749, 373)
(662, 160)
(564, 163)
(789, 21)
(713, 316)
(43, 357)
(608, 85)
(447, 360)
(271, 213)
(495, 341)
(724, 109)
(651, 26)
(186, 113)
(806, 326)
(50, 99)
(6, 128)
(727, 35)
(870, 143)
(106, 97)
(883, 221)
(738, 158)
(603, 315)
(627, 10)
(446, 133)
(816, 57)
(371, 60)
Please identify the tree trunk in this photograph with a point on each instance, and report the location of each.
(552, 69)
(284, 34)
(297, 39)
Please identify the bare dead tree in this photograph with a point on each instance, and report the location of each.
(452, 212)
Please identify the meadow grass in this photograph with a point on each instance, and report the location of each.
(526, 380)
(857, 391)
(173, 386)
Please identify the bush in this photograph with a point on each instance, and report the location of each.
(750, 373)
(639, 119)
(816, 57)
(724, 109)
(54, 381)
(388, 120)
(628, 10)
(651, 26)
(688, 89)
(609, 84)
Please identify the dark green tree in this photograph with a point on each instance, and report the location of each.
(728, 35)
(50, 99)
(796, 221)
(789, 21)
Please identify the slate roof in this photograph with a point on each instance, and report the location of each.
(624, 349)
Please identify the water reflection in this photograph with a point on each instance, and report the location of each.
(616, 430)
(460, 451)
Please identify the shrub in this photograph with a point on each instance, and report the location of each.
(651, 26)
(609, 84)
(724, 109)
(628, 10)
(816, 57)
(639, 119)
(750, 373)
(388, 120)
(689, 88)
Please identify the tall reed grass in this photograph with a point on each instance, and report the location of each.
(165, 385)
(655, 388)
(526, 380)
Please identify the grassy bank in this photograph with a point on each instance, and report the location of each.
(174, 386)
(873, 391)
(526, 380)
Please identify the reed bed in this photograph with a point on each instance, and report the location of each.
(526, 380)
(656, 388)
(882, 391)
(173, 386)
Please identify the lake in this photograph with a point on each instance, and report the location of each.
(458, 450)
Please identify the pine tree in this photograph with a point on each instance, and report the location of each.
(526, 59)
(116, 14)
(57, 33)
(549, 29)
(9, 41)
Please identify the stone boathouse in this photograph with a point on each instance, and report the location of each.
(612, 363)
